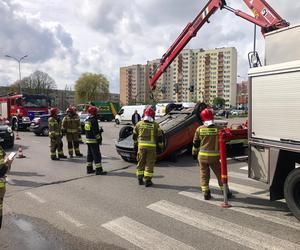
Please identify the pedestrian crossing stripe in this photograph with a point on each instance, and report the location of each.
(240, 207)
(143, 236)
(227, 230)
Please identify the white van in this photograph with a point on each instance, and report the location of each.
(126, 112)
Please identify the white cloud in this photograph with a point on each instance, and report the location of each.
(67, 38)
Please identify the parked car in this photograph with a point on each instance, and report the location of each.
(39, 125)
(7, 138)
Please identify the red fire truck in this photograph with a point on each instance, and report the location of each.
(20, 109)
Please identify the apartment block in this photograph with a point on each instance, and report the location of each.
(133, 84)
(194, 75)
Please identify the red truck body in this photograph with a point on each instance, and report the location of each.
(20, 109)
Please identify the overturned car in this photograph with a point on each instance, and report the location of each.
(178, 128)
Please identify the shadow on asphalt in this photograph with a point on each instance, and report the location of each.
(173, 187)
(17, 173)
(131, 175)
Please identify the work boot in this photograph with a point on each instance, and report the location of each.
(140, 180)
(63, 156)
(55, 158)
(207, 195)
(148, 183)
(90, 170)
(79, 154)
(99, 171)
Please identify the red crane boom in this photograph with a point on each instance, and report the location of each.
(264, 16)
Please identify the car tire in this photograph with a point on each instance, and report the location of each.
(117, 121)
(292, 192)
(37, 134)
(198, 109)
(45, 132)
(125, 132)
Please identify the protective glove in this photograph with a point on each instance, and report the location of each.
(100, 140)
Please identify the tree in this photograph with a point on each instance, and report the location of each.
(219, 102)
(91, 87)
(37, 83)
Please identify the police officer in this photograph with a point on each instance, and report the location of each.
(71, 127)
(206, 149)
(93, 139)
(55, 134)
(146, 136)
(4, 166)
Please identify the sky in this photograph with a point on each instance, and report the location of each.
(71, 37)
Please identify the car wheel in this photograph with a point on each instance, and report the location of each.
(45, 132)
(198, 109)
(125, 132)
(292, 192)
(37, 133)
(117, 121)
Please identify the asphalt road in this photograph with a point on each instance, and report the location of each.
(56, 205)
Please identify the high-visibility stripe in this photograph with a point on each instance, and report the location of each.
(204, 188)
(148, 174)
(91, 141)
(139, 172)
(224, 176)
(98, 165)
(209, 154)
(147, 145)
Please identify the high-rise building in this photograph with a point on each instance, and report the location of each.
(133, 84)
(194, 75)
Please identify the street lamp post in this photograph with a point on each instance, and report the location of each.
(19, 62)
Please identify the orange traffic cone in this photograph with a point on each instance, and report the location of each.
(20, 153)
(17, 136)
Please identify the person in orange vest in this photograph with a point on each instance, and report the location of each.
(206, 150)
(146, 136)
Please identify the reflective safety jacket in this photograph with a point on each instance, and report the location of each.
(147, 135)
(71, 124)
(54, 127)
(3, 167)
(206, 143)
(92, 131)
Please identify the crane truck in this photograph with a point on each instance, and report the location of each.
(273, 128)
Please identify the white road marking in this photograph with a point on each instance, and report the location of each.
(35, 197)
(70, 219)
(244, 168)
(240, 207)
(263, 194)
(242, 235)
(143, 236)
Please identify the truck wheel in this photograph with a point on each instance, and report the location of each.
(15, 125)
(292, 192)
(125, 132)
(117, 121)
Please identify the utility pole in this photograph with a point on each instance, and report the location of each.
(19, 62)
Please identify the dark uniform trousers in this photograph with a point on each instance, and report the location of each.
(94, 155)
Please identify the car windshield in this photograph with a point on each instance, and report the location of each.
(35, 102)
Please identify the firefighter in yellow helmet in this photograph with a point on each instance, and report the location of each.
(146, 136)
(55, 135)
(206, 149)
(71, 127)
(4, 167)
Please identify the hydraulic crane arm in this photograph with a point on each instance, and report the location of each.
(264, 16)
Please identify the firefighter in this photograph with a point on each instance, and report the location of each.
(78, 118)
(146, 136)
(206, 149)
(93, 140)
(4, 166)
(71, 127)
(55, 134)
